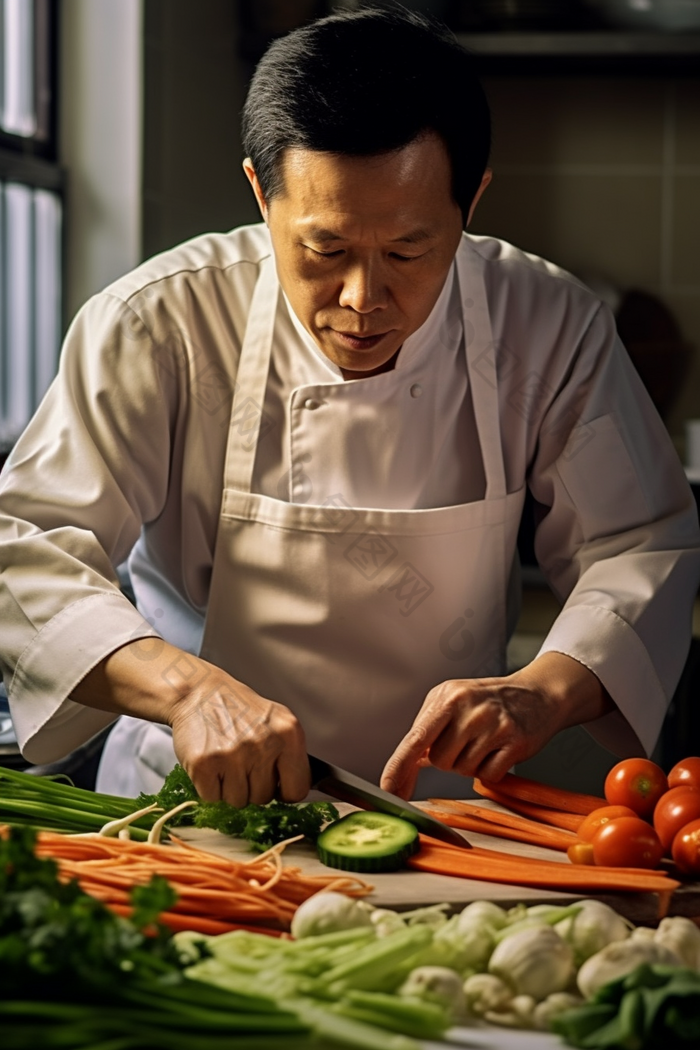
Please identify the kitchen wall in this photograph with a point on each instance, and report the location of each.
(602, 175)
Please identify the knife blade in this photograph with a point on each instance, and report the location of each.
(346, 787)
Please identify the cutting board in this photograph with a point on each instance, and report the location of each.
(404, 890)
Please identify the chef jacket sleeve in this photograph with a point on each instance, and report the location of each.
(617, 537)
(91, 467)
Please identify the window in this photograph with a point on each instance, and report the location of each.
(31, 204)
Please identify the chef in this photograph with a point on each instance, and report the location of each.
(311, 438)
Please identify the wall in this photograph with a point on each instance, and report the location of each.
(193, 92)
(100, 141)
(602, 175)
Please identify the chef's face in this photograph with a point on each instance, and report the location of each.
(363, 246)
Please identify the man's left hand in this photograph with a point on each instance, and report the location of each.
(483, 726)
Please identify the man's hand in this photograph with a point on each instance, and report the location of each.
(235, 745)
(483, 726)
(238, 746)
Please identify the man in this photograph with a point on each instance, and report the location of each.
(312, 438)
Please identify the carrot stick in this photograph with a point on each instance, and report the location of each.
(545, 795)
(556, 817)
(491, 866)
(497, 816)
(550, 838)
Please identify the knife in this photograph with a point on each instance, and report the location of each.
(345, 786)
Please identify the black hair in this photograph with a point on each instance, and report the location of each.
(362, 83)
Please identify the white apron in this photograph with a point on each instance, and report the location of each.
(348, 615)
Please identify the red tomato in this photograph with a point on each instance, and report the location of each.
(673, 811)
(685, 773)
(686, 848)
(636, 782)
(590, 824)
(628, 842)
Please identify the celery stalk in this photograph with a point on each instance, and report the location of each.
(376, 961)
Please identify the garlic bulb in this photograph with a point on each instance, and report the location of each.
(683, 937)
(595, 925)
(436, 984)
(485, 992)
(534, 962)
(620, 958)
(327, 912)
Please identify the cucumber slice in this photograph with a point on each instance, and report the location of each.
(367, 842)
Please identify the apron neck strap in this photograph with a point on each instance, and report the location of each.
(247, 409)
(481, 352)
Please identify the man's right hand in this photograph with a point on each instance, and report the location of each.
(234, 744)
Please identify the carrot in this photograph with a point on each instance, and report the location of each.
(209, 888)
(492, 866)
(545, 795)
(522, 831)
(176, 922)
(556, 817)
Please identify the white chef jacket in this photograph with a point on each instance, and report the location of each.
(124, 458)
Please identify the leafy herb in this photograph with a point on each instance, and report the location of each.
(651, 1007)
(51, 929)
(262, 826)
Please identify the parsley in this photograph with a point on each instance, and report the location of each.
(262, 826)
(52, 931)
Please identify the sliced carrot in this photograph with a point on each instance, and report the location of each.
(546, 795)
(492, 866)
(556, 817)
(509, 819)
(550, 837)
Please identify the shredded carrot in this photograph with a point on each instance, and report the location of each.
(523, 831)
(558, 818)
(198, 924)
(545, 794)
(209, 887)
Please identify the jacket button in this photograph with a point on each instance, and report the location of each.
(311, 403)
(416, 390)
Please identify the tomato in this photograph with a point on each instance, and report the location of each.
(581, 853)
(685, 773)
(628, 842)
(590, 824)
(686, 848)
(636, 782)
(673, 811)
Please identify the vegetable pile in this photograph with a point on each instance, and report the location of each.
(647, 816)
(74, 975)
(214, 894)
(545, 968)
(618, 842)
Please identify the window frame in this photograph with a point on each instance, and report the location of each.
(32, 161)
